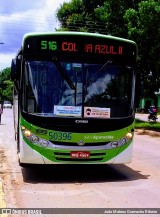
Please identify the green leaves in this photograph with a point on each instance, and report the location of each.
(137, 20)
(6, 85)
(144, 27)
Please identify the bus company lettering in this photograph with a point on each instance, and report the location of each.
(103, 137)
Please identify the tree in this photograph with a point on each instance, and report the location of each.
(79, 15)
(95, 16)
(137, 20)
(144, 27)
(112, 15)
(68, 12)
(6, 85)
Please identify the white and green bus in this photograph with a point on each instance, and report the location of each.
(74, 98)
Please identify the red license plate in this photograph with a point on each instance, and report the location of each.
(80, 154)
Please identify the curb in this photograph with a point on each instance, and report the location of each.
(147, 132)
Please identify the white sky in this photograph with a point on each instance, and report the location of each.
(18, 17)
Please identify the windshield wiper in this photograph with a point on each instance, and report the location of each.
(63, 74)
(104, 65)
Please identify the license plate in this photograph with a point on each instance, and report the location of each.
(80, 154)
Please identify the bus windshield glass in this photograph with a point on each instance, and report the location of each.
(74, 89)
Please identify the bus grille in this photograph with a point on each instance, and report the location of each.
(76, 144)
(60, 156)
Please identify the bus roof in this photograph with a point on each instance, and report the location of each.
(69, 45)
(30, 34)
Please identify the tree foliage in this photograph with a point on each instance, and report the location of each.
(144, 28)
(6, 85)
(79, 15)
(137, 20)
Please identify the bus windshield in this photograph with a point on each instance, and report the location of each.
(100, 90)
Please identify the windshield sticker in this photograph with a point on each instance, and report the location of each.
(77, 66)
(68, 110)
(96, 112)
(68, 67)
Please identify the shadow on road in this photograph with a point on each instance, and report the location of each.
(80, 174)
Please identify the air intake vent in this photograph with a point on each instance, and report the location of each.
(61, 156)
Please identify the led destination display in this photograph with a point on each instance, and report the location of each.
(66, 46)
(80, 45)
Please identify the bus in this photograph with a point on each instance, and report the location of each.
(74, 98)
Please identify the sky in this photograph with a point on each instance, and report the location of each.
(18, 17)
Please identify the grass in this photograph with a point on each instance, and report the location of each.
(155, 126)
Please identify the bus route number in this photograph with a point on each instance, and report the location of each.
(51, 45)
(60, 136)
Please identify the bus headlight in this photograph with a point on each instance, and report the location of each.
(123, 141)
(44, 143)
(27, 133)
(114, 144)
(129, 135)
(23, 128)
(35, 139)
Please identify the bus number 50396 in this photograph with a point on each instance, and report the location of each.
(60, 136)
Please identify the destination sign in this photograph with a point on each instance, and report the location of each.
(74, 47)
(68, 46)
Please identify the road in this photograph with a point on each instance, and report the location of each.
(144, 117)
(136, 185)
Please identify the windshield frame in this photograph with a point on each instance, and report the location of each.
(83, 96)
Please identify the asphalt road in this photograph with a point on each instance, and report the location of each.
(136, 185)
(144, 117)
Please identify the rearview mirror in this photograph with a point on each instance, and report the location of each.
(15, 68)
